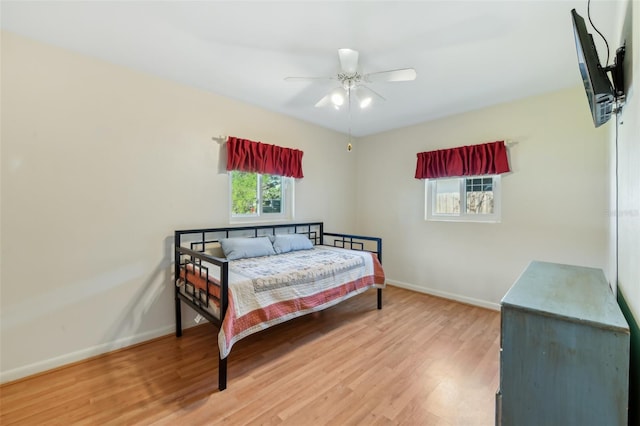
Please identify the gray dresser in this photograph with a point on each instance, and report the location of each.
(564, 356)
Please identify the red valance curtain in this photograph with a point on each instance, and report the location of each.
(484, 159)
(257, 157)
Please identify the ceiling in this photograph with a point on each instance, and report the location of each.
(467, 54)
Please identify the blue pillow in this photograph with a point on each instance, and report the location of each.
(241, 248)
(284, 243)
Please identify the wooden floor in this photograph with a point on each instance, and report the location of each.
(420, 360)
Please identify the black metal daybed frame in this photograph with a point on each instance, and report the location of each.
(196, 254)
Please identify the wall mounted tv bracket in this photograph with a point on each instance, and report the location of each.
(617, 74)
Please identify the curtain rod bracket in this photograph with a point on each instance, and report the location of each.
(220, 139)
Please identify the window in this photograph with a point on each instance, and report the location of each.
(466, 199)
(260, 197)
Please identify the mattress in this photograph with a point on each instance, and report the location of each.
(269, 290)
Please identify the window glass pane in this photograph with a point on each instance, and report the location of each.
(487, 184)
(479, 196)
(472, 199)
(271, 194)
(244, 193)
(447, 196)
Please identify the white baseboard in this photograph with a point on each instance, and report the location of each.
(48, 364)
(446, 295)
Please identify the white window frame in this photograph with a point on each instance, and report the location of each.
(430, 202)
(287, 202)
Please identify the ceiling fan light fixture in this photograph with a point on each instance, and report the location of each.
(363, 98)
(337, 98)
(365, 102)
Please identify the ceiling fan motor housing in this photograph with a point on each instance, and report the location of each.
(349, 80)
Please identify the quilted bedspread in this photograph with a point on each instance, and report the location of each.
(269, 290)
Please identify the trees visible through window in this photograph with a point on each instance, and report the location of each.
(255, 195)
(479, 195)
(463, 199)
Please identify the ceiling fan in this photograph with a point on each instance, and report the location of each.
(353, 83)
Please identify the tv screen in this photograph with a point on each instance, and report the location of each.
(596, 83)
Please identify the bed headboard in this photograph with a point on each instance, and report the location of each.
(200, 239)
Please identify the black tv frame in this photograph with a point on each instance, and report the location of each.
(604, 97)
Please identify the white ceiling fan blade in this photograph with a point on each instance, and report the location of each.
(324, 101)
(336, 98)
(308, 78)
(404, 74)
(364, 96)
(348, 60)
(362, 90)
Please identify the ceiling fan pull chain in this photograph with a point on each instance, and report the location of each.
(349, 146)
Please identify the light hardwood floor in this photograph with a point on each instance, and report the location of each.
(421, 360)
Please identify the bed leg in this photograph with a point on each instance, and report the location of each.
(222, 373)
(178, 318)
(379, 298)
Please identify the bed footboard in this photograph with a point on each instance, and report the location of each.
(356, 242)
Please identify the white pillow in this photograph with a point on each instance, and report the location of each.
(241, 248)
(284, 243)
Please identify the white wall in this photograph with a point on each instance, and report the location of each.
(628, 195)
(100, 164)
(554, 203)
(629, 165)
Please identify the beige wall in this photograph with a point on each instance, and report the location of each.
(554, 203)
(100, 164)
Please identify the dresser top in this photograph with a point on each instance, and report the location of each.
(574, 292)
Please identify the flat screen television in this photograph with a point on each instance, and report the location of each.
(597, 85)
